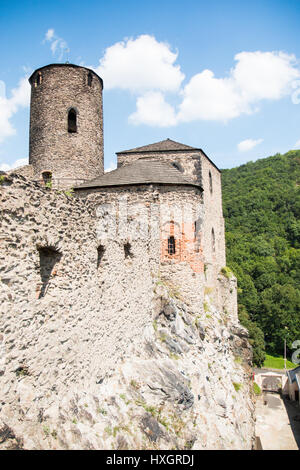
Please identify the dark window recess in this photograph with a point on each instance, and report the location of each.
(47, 177)
(127, 250)
(213, 240)
(177, 166)
(90, 79)
(72, 121)
(100, 251)
(210, 182)
(171, 245)
(49, 257)
(38, 79)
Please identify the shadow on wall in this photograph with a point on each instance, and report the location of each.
(49, 257)
(293, 411)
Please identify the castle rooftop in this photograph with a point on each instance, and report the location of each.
(162, 146)
(167, 145)
(64, 65)
(142, 171)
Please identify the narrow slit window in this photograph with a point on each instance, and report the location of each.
(38, 79)
(213, 240)
(72, 121)
(100, 254)
(210, 183)
(171, 245)
(90, 79)
(127, 250)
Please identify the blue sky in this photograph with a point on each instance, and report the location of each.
(220, 75)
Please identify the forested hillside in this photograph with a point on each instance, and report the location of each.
(261, 209)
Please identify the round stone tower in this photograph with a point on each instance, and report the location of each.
(66, 124)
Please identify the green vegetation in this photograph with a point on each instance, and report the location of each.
(277, 362)
(262, 207)
(226, 272)
(256, 389)
(70, 192)
(237, 386)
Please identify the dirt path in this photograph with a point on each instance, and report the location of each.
(275, 424)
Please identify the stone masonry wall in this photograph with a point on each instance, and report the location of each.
(103, 345)
(159, 212)
(81, 326)
(71, 157)
(195, 165)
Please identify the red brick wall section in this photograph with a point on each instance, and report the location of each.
(188, 245)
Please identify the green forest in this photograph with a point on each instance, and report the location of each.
(261, 202)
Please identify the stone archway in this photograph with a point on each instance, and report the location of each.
(271, 383)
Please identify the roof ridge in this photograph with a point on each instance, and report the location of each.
(161, 145)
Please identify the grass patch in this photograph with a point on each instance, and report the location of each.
(256, 389)
(227, 272)
(277, 362)
(237, 386)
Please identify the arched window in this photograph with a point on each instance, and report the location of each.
(213, 241)
(90, 79)
(171, 245)
(38, 79)
(210, 182)
(72, 121)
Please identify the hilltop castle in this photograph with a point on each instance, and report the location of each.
(66, 150)
(115, 288)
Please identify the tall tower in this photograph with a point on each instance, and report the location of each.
(66, 124)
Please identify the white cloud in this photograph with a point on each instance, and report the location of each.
(248, 144)
(20, 97)
(209, 98)
(58, 46)
(297, 145)
(140, 64)
(49, 34)
(16, 164)
(153, 110)
(257, 76)
(146, 66)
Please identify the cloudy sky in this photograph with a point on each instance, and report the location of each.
(220, 75)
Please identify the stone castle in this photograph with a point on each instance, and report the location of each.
(115, 282)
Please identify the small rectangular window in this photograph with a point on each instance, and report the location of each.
(171, 245)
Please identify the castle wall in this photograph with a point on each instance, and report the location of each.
(195, 165)
(96, 327)
(65, 321)
(158, 212)
(72, 157)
